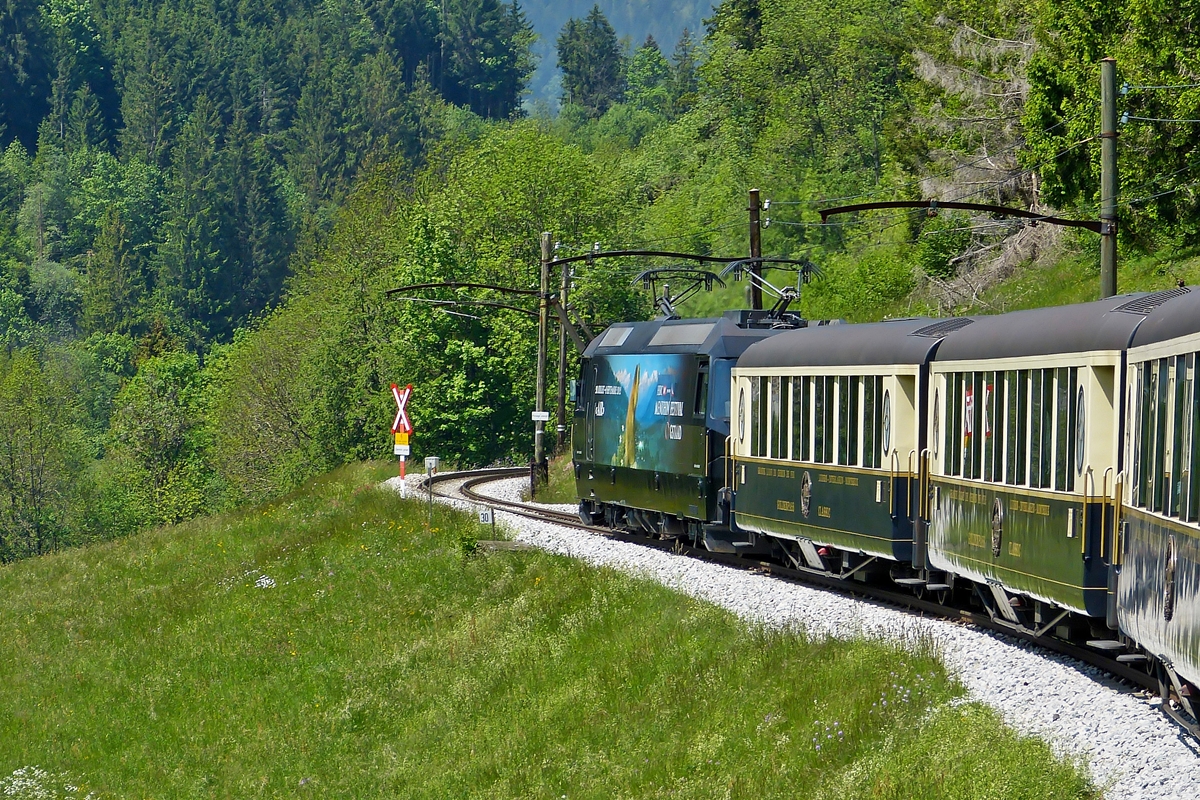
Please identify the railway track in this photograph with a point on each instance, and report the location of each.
(1123, 672)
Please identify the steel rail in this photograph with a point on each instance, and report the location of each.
(812, 577)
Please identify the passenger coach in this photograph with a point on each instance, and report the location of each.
(1023, 455)
(1158, 583)
(826, 438)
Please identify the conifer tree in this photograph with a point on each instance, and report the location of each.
(190, 256)
(112, 289)
(684, 82)
(593, 69)
(487, 44)
(85, 123)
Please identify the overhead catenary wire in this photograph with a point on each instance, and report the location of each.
(1128, 87)
(1148, 198)
(1126, 117)
(917, 179)
(985, 187)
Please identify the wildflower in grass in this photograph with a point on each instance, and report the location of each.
(265, 582)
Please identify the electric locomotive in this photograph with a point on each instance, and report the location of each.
(652, 418)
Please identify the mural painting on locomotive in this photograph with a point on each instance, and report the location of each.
(640, 405)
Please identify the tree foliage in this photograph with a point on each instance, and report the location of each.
(592, 64)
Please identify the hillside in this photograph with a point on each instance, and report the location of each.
(201, 213)
(329, 645)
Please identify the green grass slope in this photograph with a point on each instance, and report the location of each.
(330, 645)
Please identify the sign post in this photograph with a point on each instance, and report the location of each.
(402, 426)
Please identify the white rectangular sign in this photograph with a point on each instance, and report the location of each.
(541, 416)
(485, 516)
(401, 450)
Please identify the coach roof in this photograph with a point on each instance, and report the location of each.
(901, 341)
(1178, 315)
(1107, 324)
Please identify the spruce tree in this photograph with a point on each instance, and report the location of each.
(685, 84)
(593, 68)
(112, 290)
(190, 259)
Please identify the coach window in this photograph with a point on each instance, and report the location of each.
(758, 417)
(848, 420)
(1017, 455)
(954, 401)
(1151, 440)
(826, 433)
(1064, 424)
(1179, 439)
(974, 434)
(994, 423)
(1140, 397)
(777, 419)
(937, 414)
(742, 416)
(1192, 452)
(801, 410)
(872, 415)
(885, 426)
(1158, 485)
(1080, 433)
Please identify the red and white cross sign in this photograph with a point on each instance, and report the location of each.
(402, 423)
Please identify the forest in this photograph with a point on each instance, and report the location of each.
(202, 205)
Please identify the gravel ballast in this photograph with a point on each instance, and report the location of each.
(1132, 749)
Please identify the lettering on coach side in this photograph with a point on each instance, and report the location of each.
(1041, 509)
(785, 505)
(776, 472)
(824, 511)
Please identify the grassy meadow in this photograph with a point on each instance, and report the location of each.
(332, 644)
